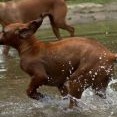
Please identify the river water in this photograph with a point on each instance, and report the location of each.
(15, 103)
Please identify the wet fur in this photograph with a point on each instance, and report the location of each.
(72, 64)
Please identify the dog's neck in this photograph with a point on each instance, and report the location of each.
(30, 46)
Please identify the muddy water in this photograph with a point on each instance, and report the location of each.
(15, 103)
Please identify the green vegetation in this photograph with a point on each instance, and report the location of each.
(4, 0)
(105, 32)
(93, 1)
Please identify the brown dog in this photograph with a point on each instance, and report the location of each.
(72, 64)
(27, 10)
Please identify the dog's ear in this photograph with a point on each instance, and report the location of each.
(31, 28)
(25, 33)
(35, 24)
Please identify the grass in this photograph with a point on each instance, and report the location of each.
(101, 31)
(92, 1)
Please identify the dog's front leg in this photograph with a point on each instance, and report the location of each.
(35, 83)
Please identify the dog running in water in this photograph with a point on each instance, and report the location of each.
(72, 64)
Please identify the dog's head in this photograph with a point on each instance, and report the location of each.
(12, 33)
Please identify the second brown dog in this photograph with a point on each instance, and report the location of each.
(26, 10)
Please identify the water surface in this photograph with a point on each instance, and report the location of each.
(15, 103)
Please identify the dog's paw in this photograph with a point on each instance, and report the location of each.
(37, 96)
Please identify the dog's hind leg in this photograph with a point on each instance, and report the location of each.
(100, 87)
(59, 16)
(76, 85)
(63, 90)
(54, 27)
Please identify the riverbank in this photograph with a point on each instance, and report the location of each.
(88, 12)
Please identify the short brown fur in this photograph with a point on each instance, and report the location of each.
(71, 64)
(27, 10)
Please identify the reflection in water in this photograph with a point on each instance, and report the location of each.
(15, 103)
(2, 65)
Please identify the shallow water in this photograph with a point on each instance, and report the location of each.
(15, 103)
